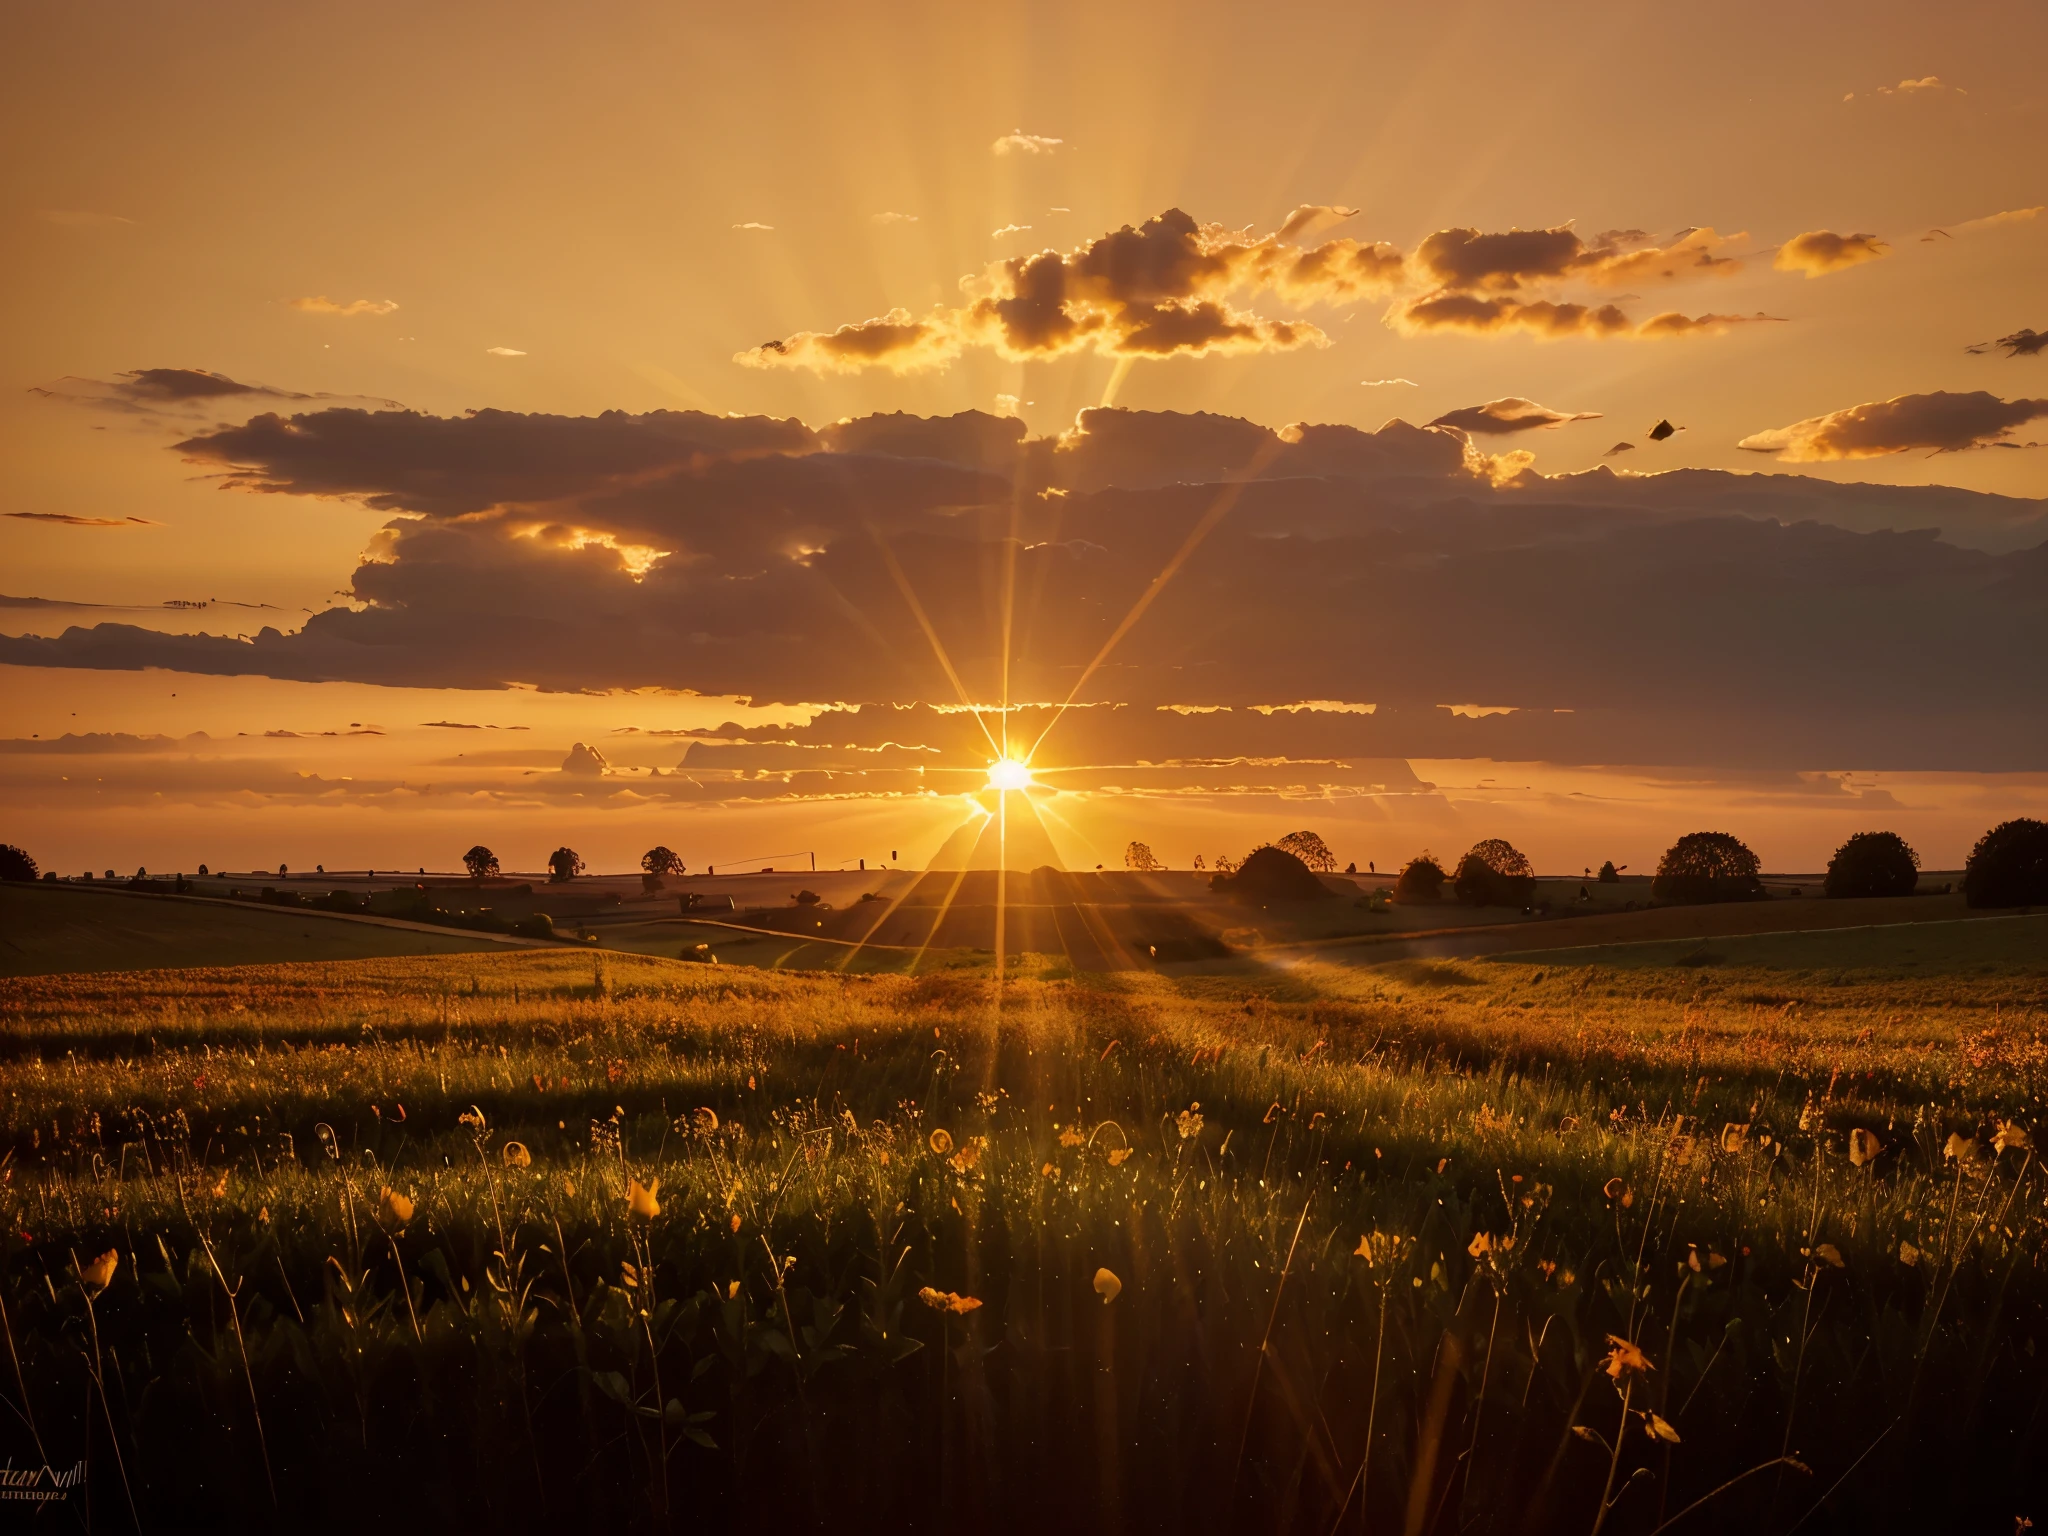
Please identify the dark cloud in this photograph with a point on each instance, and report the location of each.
(1511, 414)
(1400, 568)
(2027, 343)
(1468, 261)
(1941, 422)
(73, 520)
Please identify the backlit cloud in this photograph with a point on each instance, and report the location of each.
(504, 352)
(320, 304)
(1821, 251)
(1467, 260)
(1009, 229)
(2022, 343)
(1018, 142)
(1511, 414)
(755, 224)
(1926, 85)
(1941, 422)
(893, 218)
(82, 218)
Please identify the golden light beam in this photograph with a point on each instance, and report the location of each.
(932, 635)
(1226, 498)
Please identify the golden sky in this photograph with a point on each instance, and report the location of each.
(1782, 229)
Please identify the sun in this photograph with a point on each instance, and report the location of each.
(1009, 773)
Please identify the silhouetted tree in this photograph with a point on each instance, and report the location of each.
(1707, 866)
(661, 860)
(564, 864)
(1225, 864)
(1310, 849)
(480, 862)
(1140, 856)
(1422, 879)
(1494, 873)
(1873, 864)
(15, 864)
(2009, 866)
(1609, 875)
(1198, 862)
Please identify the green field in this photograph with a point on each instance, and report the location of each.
(46, 930)
(1372, 1229)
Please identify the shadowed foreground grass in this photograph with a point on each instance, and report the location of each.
(566, 1241)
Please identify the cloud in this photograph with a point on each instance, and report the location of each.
(1470, 312)
(185, 384)
(768, 560)
(320, 304)
(754, 224)
(1619, 448)
(1926, 85)
(2022, 343)
(1008, 229)
(893, 218)
(1312, 218)
(162, 391)
(1018, 142)
(504, 352)
(1382, 383)
(1510, 414)
(1941, 422)
(74, 521)
(1465, 260)
(2000, 220)
(1821, 251)
(82, 218)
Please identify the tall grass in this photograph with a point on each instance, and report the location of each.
(573, 1241)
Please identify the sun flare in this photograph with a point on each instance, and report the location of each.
(1009, 773)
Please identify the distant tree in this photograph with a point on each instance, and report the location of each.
(1873, 864)
(2009, 866)
(1310, 849)
(1139, 856)
(283, 869)
(1198, 862)
(661, 860)
(1494, 873)
(564, 864)
(1225, 864)
(1707, 866)
(15, 864)
(805, 898)
(202, 870)
(1421, 880)
(480, 862)
(1609, 875)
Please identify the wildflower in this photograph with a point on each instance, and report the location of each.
(1481, 1245)
(629, 1275)
(705, 1119)
(1625, 1359)
(1107, 1286)
(1070, 1136)
(1733, 1135)
(969, 1156)
(2012, 1138)
(1657, 1427)
(942, 1141)
(394, 1210)
(474, 1119)
(640, 1199)
(220, 1186)
(1828, 1253)
(568, 1189)
(97, 1274)
(1863, 1147)
(515, 1155)
(1615, 1189)
(1960, 1149)
(1190, 1122)
(1117, 1156)
(1909, 1255)
(1048, 1171)
(948, 1301)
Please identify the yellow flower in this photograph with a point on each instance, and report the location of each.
(1908, 1255)
(97, 1274)
(1481, 1245)
(1863, 1146)
(948, 1301)
(393, 1209)
(1107, 1286)
(515, 1155)
(969, 1156)
(942, 1141)
(1117, 1156)
(1960, 1149)
(1659, 1428)
(1625, 1359)
(2012, 1138)
(640, 1199)
(705, 1118)
(1189, 1122)
(1070, 1136)
(1733, 1135)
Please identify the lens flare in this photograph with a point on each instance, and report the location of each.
(1009, 773)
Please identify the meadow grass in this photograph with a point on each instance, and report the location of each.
(558, 1239)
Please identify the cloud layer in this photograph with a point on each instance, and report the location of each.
(1151, 560)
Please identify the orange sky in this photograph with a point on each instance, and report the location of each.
(541, 210)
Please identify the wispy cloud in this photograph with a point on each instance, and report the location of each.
(82, 218)
(1511, 414)
(1018, 142)
(1383, 383)
(893, 218)
(755, 224)
(1009, 229)
(320, 304)
(1926, 85)
(504, 352)
(72, 520)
